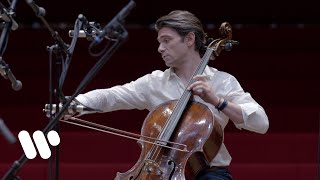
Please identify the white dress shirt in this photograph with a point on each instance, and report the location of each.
(158, 87)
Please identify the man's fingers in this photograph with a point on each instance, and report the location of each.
(196, 83)
(199, 91)
(200, 78)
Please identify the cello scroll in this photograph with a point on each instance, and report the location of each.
(225, 43)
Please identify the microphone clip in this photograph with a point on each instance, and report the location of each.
(3, 68)
(91, 29)
(7, 16)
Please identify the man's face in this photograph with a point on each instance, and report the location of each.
(171, 46)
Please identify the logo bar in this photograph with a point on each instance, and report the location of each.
(40, 142)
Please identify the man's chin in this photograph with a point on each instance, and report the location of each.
(168, 64)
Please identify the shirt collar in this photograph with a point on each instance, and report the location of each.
(207, 72)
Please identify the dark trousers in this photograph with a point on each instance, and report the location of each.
(214, 173)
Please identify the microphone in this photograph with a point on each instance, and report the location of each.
(7, 74)
(40, 11)
(114, 23)
(6, 133)
(90, 29)
(85, 34)
(82, 33)
(7, 17)
(72, 109)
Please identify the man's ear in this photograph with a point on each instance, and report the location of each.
(190, 38)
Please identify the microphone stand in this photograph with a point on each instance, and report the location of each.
(114, 27)
(5, 131)
(4, 67)
(60, 49)
(7, 27)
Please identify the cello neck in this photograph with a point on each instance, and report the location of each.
(172, 122)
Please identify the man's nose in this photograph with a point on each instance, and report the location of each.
(161, 48)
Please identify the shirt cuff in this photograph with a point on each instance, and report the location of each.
(82, 100)
(247, 109)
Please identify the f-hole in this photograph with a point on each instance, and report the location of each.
(173, 167)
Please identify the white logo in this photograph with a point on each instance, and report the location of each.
(40, 142)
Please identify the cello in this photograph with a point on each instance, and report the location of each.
(176, 151)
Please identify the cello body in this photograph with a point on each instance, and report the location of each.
(197, 129)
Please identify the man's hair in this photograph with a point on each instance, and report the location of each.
(184, 22)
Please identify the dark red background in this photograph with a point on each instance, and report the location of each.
(277, 61)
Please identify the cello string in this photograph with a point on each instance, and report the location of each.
(154, 150)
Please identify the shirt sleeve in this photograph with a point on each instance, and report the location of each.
(254, 116)
(127, 96)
